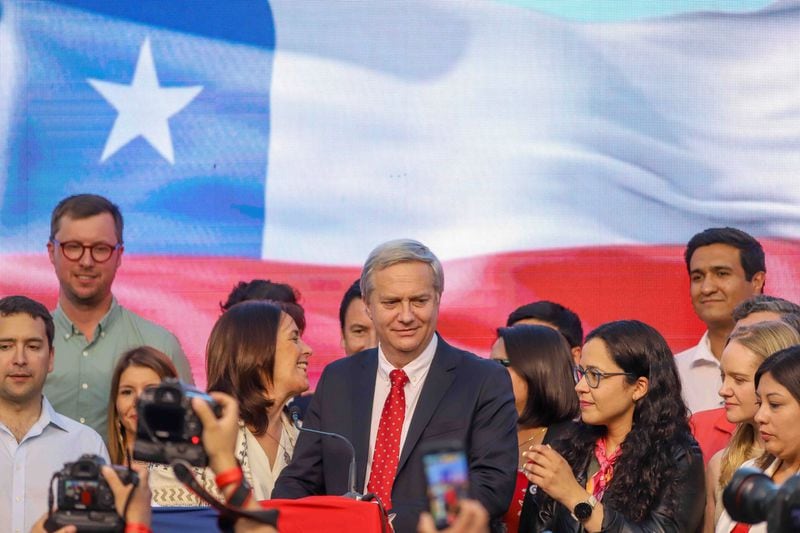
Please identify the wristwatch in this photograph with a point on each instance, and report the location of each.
(583, 511)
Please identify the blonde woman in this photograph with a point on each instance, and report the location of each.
(777, 383)
(747, 348)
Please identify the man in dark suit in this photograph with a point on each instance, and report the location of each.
(413, 390)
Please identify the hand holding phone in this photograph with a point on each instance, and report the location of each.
(447, 473)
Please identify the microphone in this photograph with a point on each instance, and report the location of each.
(294, 412)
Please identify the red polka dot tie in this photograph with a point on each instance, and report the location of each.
(387, 442)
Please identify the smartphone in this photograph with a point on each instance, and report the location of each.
(447, 474)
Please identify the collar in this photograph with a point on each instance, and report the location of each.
(50, 416)
(773, 467)
(416, 369)
(702, 355)
(47, 417)
(63, 322)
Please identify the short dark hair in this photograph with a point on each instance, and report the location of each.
(351, 294)
(565, 320)
(541, 357)
(764, 303)
(751, 254)
(80, 206)
(16, 305)
(264, 289)
(260, 289)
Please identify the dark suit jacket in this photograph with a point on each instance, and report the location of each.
(464, 398)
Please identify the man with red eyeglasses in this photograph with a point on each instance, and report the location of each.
(92, 328)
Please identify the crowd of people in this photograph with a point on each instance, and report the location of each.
(561, 432)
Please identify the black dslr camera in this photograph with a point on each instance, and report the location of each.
(751, 497)
(84, 497)
(168, 428)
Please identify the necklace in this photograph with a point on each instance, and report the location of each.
(287, 456)
(522, 450)
(536, 434)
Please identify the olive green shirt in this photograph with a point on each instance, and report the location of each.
(80, 383)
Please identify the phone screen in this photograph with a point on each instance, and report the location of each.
(447, 475)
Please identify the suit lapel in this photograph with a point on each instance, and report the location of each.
(440, 376)
(363, 388)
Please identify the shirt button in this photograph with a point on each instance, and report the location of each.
(82, 420)
(85, 353)
(66, 335)
(102, 333)
(85, 386)
(17, 499)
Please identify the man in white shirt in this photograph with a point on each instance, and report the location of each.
(726, 266)
(35, 441)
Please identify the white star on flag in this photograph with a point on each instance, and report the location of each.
(144, 107)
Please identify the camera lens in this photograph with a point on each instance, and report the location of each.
(749, 495)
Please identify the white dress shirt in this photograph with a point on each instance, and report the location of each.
(700, 376)
(260, 473)
(26, 467)
(417, 371)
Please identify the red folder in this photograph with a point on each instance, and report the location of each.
(329, 514)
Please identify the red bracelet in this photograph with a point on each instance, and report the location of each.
(234, 475)
(133, 527)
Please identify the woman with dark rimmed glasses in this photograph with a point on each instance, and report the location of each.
(631, 464)
(539, 362)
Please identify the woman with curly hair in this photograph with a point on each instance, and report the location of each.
(631, 464)
(747, 348)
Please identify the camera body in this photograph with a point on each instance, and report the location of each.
(168, 427)
(84, 497)
(752, 497)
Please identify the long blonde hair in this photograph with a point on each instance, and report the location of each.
(763, 339)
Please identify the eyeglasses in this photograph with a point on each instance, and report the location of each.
(504, 362)
(73, 250)
(594, 376)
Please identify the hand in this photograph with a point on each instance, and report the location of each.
(471, 518)
(243, 525)
(547, 469)
(38, 527)
(219, 434)
(139, 510)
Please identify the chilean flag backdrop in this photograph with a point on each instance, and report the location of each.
(544, 150)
